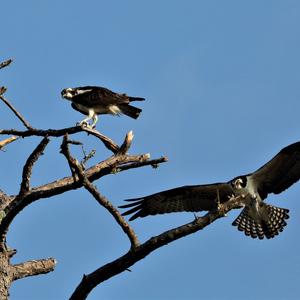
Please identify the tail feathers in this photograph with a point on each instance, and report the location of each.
(270, 225)
(136, 99)
(130, 110)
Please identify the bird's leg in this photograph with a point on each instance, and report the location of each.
(95, 120)
(89, 117)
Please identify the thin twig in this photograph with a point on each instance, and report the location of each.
(87, 156)
(19, 116)
(27, 170)
(5, 63)
(33, 267)
(154, 163)
(76, 166)
(123, 263)
(3, 90)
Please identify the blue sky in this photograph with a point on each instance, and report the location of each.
(221, 82)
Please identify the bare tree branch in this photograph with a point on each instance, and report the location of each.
(4, 201)
(108, 143)
(7, 141)
(10, 206)
(27, 170)
(108, 166)
(99, 198)
(90, 281)
(154, 163)
(33, 267)
(24, 189)
(5, 63)
(106, 140)
(19, 116)
(42, 132)
(127, 143)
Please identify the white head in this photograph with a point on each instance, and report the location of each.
(68, 93)
(239, 182)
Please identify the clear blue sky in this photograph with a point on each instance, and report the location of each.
(221, 79)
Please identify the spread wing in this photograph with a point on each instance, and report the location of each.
(94, 95)
(280, 172)
(186, 198)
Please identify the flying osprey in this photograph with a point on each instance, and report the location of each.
(257, 219)
(95, 100)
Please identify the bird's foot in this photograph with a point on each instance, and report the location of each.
(82, 123)
(85, 124)
(231, 197)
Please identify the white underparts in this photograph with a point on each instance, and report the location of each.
(68, 95)
(114, 109)
(92, 113)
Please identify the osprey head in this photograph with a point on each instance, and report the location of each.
(239, 182)
(68, 93)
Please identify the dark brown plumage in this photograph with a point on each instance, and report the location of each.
(257, 219)
(94, 100)
(186, 198)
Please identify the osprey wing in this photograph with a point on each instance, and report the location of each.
(91, 96)
(186, 198)
(280, 172)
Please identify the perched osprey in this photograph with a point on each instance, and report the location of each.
(257, 219)
(96, 100)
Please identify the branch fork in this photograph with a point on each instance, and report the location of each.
(78, 170)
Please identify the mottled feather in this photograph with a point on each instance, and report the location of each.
(187, 198)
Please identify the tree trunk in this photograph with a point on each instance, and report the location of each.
(6, 275)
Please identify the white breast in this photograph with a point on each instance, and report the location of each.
(251, 187)
(98, 109)
(111, 109)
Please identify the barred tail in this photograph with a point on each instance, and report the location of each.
(268, 223)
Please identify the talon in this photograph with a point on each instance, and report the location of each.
(83, 123)
(231, 197)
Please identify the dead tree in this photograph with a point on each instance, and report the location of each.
(80, 177)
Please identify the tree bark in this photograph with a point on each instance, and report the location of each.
(6, 276)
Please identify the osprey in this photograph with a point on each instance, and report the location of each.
(95, 100)
(257, 219)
